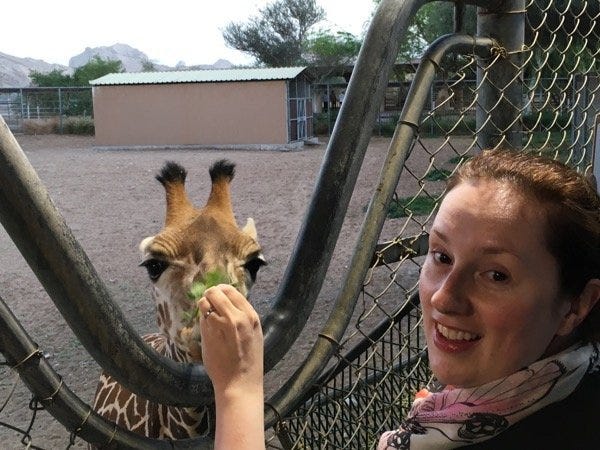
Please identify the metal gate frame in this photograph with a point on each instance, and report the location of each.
(66, 273)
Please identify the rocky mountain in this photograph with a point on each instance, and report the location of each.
(14, 71)
(131, 58)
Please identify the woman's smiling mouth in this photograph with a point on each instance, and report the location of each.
(455, 335)
(451, 340)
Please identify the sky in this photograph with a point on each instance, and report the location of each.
(168, 32)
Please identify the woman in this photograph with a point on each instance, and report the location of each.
(509, 292)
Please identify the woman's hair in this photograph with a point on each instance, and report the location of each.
(572, 208)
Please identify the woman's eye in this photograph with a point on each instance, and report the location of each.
(442, 258)
(155, 268)
(497, 276)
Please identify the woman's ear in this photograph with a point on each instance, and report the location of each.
(580, 308)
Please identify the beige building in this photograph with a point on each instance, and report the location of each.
(222, 108)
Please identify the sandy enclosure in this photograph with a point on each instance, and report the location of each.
(111, 201)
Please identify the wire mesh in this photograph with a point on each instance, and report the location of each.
(47, 110)
(368, 385)
(369, 389)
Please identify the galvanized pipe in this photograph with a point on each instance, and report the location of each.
(316, 240)
(501, 101)
(291, 393)
(48, 388)
(305, 273)
(51, 250)
(46, 242)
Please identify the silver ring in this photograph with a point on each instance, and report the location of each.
(208, 313)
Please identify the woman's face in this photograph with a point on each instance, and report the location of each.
(489, 286)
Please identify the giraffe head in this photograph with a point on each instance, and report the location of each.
(194, 242)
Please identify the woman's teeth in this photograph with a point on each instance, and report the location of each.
(455, 335)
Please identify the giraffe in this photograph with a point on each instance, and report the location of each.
(193, 242)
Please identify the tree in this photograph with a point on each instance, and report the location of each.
(51, 79)
(74, 103)
(276, 37)
(430, 22)
(96, 68)
(332, 49)
(148, 66)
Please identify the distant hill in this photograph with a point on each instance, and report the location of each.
(131, 58)
(14, 71)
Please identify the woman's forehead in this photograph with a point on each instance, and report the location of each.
(497, 198)
(494, 209)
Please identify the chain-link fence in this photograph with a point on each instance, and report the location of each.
(530, 82)
(547, 86)
(38, 110)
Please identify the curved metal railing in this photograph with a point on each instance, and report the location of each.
(63, 268)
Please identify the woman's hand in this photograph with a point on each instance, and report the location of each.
(232, 351)
(232, 340)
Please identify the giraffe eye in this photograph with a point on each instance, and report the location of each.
(252, 266)
(155, 267)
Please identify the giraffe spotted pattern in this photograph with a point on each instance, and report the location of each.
(193, 242)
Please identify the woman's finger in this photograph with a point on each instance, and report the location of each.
(224, 299)
(205, 307)
(237, 299)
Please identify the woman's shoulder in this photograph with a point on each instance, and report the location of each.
(570, 423)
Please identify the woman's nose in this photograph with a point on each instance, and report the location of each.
(452, 295)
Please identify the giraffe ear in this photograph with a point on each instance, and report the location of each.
(145, 243)
(250, 228)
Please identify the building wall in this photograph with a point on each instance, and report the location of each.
(236, 113)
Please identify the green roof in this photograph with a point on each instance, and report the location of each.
(199, 76)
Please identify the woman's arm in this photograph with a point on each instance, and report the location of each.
(232, 352)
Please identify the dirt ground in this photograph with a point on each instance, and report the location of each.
(111, 201)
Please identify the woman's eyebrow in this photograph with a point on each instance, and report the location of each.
(439, 234)
(491, 249)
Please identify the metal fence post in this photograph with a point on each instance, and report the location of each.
(60, 112)
(501, 100)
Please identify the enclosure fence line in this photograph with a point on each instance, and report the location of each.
(370, 356)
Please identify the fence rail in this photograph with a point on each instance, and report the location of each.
(534, 88)
(44, 109)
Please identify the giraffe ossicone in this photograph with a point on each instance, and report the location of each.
(193, 243)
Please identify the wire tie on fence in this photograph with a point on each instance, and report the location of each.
(112, 436)
(275, 411)
(51, 398)
(35, 405)
(435, 64)
(414, 126)
(524, 49)
(500, 51)
(80, 427)
(37, 351)
(329, 338)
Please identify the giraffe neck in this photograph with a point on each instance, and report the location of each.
(126, 409)
(169, 317)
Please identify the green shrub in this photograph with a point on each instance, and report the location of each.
(454, 125)
(386, 128)
(459, 159)
(438, 174)
(79, 125)
(421, 205)
(545, 120)
(321, 126)
(48, 125)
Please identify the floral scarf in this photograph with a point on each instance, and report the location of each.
(455, 417)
